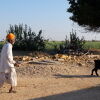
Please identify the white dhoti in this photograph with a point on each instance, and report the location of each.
(10, 78)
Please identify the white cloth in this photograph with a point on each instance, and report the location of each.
(6, 61)
(7, 70)
(10, 78)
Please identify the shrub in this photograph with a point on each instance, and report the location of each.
(26, 39)
(74, 44)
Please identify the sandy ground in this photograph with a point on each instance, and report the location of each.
(57, 81)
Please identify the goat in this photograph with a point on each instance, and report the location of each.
(97, 66)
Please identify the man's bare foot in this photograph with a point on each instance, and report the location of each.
(11, 90)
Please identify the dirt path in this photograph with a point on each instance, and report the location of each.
(64, 88)
(73, 84)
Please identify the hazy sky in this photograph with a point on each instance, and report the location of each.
(48, 15)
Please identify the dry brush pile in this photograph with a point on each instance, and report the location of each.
(44, 65)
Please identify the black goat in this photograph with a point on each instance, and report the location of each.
(97, 66)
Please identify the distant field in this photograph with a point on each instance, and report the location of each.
(92, 45)
(88, 45)
(51, 45)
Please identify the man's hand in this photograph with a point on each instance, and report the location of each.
(16, 64)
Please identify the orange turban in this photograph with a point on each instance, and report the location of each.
(10, 36)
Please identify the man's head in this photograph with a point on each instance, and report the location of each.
(11, 38)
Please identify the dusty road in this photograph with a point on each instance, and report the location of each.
(58, 81)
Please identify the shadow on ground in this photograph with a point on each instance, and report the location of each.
(92, 93)
(76, 76)
(42, 62)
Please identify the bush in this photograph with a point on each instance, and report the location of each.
(1, 44)
(74, 44)
(26, 39)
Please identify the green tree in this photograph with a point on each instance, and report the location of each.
(86, 13)
(26, 39)
(76, 43)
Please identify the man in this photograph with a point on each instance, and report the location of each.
(7, 70)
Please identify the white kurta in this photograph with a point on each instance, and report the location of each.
(7, 70)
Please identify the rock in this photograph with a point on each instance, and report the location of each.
(60, 60)
(61, 56)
